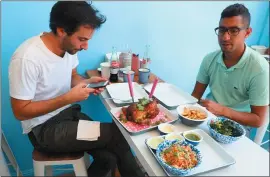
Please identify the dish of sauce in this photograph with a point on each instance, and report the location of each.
(192, 136)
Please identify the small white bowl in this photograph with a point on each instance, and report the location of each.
(174, 136)
(153, 142)
(193, 142)
(166, 128)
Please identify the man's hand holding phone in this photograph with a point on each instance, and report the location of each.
(97, 83)
(79, 93)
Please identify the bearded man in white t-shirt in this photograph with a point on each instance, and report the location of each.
(44, 83)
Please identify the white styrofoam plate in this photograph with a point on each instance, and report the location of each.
(213, 154)
(121, 91)
(170, 95)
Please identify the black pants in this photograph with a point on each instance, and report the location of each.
(58, 134)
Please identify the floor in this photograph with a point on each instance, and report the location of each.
(117, 174)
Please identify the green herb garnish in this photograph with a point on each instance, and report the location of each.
(122, 116)
(144, 101)
(169, 163)
(123, 120)
(167, 151)
(140, 107)
(176, 154)
(156, 123)
(186, 156)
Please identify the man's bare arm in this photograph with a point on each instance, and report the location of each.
(255, 119)
(199, 90)
(26, 109)
(76, 78)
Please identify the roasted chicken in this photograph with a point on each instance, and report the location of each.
(142, 111)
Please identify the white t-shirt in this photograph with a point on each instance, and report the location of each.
(36, 73)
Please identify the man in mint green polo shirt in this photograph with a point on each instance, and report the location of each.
(238, 76)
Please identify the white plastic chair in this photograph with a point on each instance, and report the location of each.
(262, 130)
(10, 156)
(43, 162)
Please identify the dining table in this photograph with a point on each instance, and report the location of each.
(250, 158)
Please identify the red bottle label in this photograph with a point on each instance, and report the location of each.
(114, 64)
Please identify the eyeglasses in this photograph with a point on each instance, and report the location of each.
(233, 31)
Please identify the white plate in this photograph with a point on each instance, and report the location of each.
(170, 95)
(213, 154)
(121, 91)
(116, 111)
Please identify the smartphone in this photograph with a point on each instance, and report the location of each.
(98, 84)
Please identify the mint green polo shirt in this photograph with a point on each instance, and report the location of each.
(238, 87)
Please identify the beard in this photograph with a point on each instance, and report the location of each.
(72, 51)
(68, 47)
(227, 48)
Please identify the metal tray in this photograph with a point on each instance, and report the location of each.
(115, 111)
(214, 156)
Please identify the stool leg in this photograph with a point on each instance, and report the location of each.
(79, 167)
(87, 160)
(39, 168)
(49, 170)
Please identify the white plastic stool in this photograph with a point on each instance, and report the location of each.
(43, 162)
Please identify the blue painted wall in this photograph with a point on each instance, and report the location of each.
(264, 38)
(180, 34)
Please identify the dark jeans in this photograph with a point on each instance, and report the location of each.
(58, 134)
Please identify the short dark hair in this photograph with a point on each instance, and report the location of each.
(72, 14)
(237, 10)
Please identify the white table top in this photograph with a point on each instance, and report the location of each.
(251, 159)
